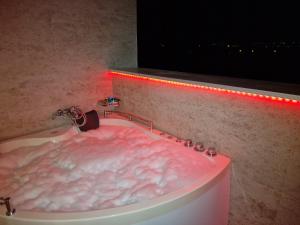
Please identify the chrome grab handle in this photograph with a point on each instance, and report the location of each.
(130, 117)
(5, 201)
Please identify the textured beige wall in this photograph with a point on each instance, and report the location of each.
(54, 54)
(261, 137)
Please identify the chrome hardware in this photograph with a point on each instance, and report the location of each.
(211, 152)
(199, 147)
(109, 101)
(166, 135)
(5, 201)
(130, 117)
(74, 113)
(178, 140)
(188, 143)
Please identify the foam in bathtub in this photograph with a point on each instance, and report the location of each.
(108, 167)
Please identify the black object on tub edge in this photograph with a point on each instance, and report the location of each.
(92, 121)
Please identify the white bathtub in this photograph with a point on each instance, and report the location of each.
(206, 202)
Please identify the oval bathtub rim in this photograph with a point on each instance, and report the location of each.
(152, 207)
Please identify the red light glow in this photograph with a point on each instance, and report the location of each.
(177, 83)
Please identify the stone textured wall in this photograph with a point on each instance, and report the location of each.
(261, 137)
(54, 53)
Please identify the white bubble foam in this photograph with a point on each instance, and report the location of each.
(108, 167)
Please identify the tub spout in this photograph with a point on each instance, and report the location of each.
(5, 201)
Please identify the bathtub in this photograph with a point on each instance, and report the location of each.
(206, 202)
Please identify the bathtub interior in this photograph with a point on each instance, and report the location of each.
(217, 165)
(67, 131)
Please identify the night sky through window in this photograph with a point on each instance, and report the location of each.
(248, 39)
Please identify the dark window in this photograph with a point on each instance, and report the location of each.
(246, 39)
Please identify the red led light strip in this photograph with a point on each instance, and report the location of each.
(176, 83)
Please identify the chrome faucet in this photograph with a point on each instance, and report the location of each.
(74, 113)
(5, 201)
